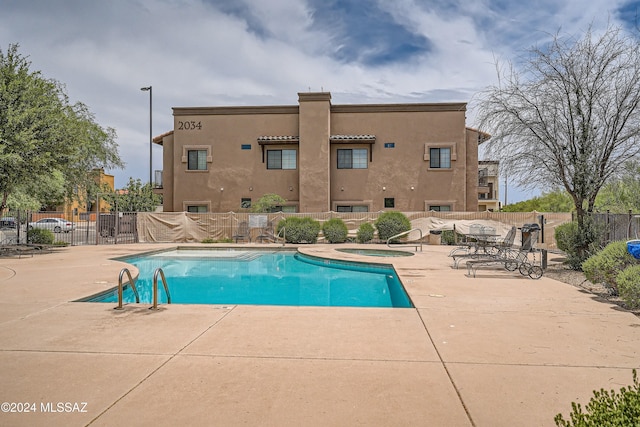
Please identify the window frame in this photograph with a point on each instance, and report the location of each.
(200, 160)
(189, 207)
(361, 162)
(282, 159)
(343, 208)
(436, 162)
(185, 157)
(439, 208)
(453, 156)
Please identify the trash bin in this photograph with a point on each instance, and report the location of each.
(633, 247)
(435, 237)
(529, 235)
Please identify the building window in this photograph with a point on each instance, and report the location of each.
(196, 209)
(281, 159)
(440, 208)
(197, 160)
(285, 209)
(245, 202)
(440, 158)
(352, 158)
(389, 202)
(355, 208)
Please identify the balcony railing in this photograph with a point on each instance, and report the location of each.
(157, 181)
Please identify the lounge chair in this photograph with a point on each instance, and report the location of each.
(19, 250)
(242, 232)
(266, 232)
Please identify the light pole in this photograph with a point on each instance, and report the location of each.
(145, 89)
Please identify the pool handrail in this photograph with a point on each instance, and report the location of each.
(283, 230)
(404, 245)
(121, 288)
(155, 288)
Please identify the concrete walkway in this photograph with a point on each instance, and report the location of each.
(496, 350)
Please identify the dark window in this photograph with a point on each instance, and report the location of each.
(197, 160)
(281, 159)
(286, 209)
(344, 208)
(245, 202)
(440, 158)
(246, 146)
(440, 208)
(352, 158)
(389, 202)
(197, 209)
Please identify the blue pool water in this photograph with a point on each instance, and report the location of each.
(264, 278)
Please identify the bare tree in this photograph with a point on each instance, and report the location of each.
(569, 116)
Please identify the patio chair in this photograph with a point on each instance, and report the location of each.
(242, 232)
(266, 232)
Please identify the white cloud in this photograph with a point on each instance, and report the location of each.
(244, 52)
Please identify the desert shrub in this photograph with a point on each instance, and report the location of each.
(300, 230)
(212, 240)
(448, 237)
(365, 233)
(40, 236)
(606, 409)
(604, 266)
(578, 243)
(391, 223)
(335, 230)
(564, 234)
(629, 286)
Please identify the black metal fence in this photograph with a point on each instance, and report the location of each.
(87, 228)
(618, 227)
(78, 228)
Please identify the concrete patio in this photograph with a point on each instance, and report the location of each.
(496, 350)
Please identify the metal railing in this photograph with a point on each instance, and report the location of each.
(121, 288)
(283, 230)
(155, 288)
(412, 244)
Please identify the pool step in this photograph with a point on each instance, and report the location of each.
(249, 256)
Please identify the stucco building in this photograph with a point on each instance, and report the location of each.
(488, 186)
(321, 157)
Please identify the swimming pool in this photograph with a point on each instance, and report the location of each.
(260, 277)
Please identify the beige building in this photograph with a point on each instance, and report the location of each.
(321, 157)
(488, 186)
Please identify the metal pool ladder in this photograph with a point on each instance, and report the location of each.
(155, 288)
(121, 287)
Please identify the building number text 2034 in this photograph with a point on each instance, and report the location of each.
(189, 125)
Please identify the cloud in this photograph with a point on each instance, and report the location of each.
(256, 52)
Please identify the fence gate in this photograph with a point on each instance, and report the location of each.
(116, 227)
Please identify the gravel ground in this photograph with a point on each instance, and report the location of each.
(556, 269)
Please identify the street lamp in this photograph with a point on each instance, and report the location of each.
(145, 89)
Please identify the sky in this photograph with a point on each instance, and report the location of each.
(263, 52)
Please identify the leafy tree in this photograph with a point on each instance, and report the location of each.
(267, 203)
(135, 197)
(570, 115)
(623, 194)
(554, 201)
(48, 146)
